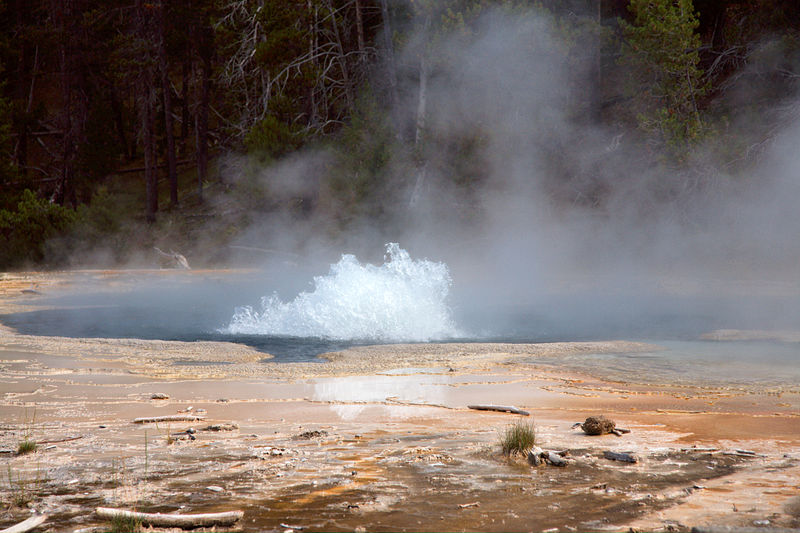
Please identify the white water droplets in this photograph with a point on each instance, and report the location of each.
(400, 301)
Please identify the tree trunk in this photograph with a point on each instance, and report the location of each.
(146, 88)
(119, 123)
(185, 116)
(150, 160)
(359, 29)
(390, 64)
(172, 170)
(72, 41)
(201, 125)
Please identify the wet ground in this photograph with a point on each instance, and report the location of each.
(389, 445)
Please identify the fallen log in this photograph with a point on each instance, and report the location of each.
(500, 408)
(167, 418)
(618, 456)
(26, 525)
(183, 521)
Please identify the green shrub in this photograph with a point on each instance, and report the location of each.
(25, 230)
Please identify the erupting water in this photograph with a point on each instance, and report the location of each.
(403, 300)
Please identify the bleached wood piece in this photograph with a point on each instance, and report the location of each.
(554, 459)
(182, 521)
(500, 408)
(26, 525)
(167, 418)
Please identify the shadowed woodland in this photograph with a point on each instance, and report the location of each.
(127, 124)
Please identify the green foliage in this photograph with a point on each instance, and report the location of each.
(125, 524)
(662, 50)
(271, 138)
(364, 151)
(7, 170)
(25, 230)
(285, 29)
(518, 438)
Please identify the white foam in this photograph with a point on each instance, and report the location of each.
(403, 300)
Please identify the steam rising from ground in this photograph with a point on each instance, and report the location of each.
(570, 229)
(402, 300)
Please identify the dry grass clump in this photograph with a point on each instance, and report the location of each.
(518, 438)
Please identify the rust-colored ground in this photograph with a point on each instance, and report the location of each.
(395, 448)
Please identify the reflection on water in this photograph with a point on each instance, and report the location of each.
(350, 395)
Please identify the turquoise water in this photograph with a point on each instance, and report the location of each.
(701, 363)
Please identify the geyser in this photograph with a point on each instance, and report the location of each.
(403, 300)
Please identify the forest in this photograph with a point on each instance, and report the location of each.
(211, 126)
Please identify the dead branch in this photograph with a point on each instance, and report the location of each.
(26, 525)
(183, 521)
(500, 408)
(66, 439)
(167, 418)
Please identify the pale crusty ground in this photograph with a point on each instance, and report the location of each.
(399, 436)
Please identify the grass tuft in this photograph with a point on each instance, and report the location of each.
(125, 524)
(26, 446)
(518, 438)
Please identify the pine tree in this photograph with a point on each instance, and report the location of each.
(662, 49)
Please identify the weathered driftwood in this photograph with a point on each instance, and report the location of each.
(26, 525)
(182, 521)
(65, 439)
(500, 408)
(535, 456)
(619, 456)
(554, 459)
(468, 505)
(167, 418)
(172, 259)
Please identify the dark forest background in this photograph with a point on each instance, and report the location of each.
(119, 118)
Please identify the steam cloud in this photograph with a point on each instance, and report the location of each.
(664, 252)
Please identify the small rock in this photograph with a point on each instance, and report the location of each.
(223, 400)
(761, 523)
(312, 434)
(159, 396)
(598, 425)
(215, 488)
(623, 457)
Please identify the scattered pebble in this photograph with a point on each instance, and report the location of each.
(159, 396)
(215, 488)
